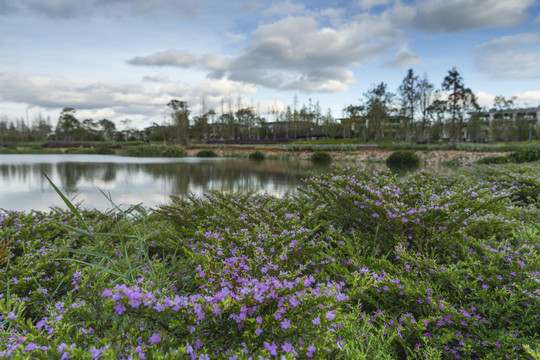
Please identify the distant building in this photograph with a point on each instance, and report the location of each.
(503, 124)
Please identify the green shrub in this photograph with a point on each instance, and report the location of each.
(321, 157)
(105, 151)
(154, 151)
(206, 154)
(257, 156)
(402, 159)
(493, 160)
(526, 153)
(315, 147)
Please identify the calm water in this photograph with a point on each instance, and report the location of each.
(136, 180)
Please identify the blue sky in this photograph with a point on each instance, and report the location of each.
(125, 59)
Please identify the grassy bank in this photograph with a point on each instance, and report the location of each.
(361, 266)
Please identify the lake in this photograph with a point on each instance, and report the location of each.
(132, 181)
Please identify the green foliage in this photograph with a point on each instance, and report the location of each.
(257, 156)
(488, 160)
(154, 151)
(362, 266)
(320, 147)
(526, 153)
(321, 157)
(207, 154)
(403, 159)
(91, 151)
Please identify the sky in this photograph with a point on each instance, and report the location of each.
(126, 59)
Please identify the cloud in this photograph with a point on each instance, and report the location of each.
(460, 15)
(484, 99)
(533, 95)
(177, 58)
(537, 21)
(404, 58)
(161, 78)
(295, 53)
(286, 7)
(236, 37)
(368, 4)
(110, 100)
(510, 57)
(72, 9)
(7, 7)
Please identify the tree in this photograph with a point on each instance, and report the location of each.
(378, 102)
(409, 96)
(460, 99)
(180, 116)
(425, 92)
(67, 124)
(108, 128)
(355, 121)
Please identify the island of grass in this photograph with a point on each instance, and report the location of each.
(361, 266)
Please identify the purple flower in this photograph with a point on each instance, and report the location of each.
(330, 315)
(155, 338)
(12, 316)
(119, 308)
(272, 348)
(287, 347)
(316, 321)
(258, 331)
(311, 350)
(31, 346)
(285, 324)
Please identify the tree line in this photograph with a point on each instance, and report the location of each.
(416, 112)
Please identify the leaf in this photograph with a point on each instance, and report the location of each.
(68, 203)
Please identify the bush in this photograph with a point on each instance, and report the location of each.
(318, 147)
(404, 158)
(493, 160)
(363, 265)
(526, 153)
(206, 154)
(320, 157)
(257, 156)
(154, 151)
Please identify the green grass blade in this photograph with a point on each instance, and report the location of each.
(113, 272)
(68, 203)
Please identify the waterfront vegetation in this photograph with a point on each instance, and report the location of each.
(359, 266)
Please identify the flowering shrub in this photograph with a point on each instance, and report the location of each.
(363, 265)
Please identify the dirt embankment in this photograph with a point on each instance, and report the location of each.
(361, 155)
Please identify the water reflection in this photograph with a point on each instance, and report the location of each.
(142, 180)
(133, 180)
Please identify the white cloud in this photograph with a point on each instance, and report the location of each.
(70, 9)
(110, 100)
(510, 57)
(537, 21)
(287, 8)
(404, 58)
(160, 78)
(532, 95)
(368, 4)
(459, 15)
(171, 57)
(296, 53)
(484, 99)
(236, 37)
